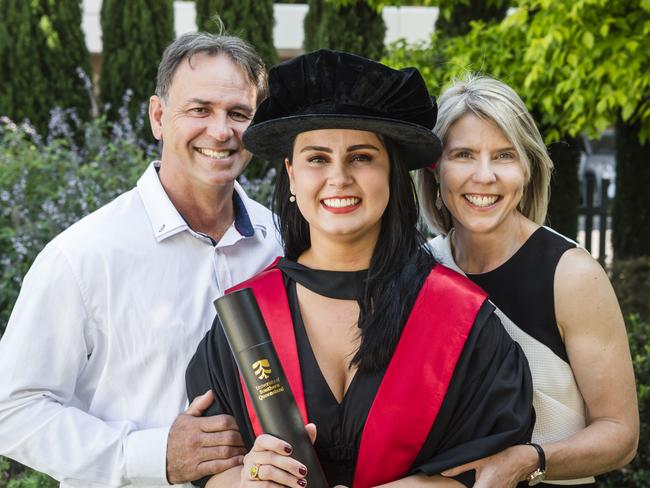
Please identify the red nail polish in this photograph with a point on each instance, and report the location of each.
(302, 483)
(288, 449)
(303, 471)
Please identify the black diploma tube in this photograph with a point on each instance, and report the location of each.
(264, 377)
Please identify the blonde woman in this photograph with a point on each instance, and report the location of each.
(487, 197)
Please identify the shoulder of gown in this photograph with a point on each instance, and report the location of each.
(488, 406)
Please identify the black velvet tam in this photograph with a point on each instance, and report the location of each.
(337, 90)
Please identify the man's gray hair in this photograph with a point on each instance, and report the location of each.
(238, 50)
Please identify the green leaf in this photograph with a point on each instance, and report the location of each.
(572, 59)
(645, 5)
(588, 40)
(627, 111)
(604, 29)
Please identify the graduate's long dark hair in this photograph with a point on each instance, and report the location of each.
(399, 265)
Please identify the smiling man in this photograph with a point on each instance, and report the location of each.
(110, 313)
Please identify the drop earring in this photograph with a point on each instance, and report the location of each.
(439, 202)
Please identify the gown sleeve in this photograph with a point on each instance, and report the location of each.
(488, 406)
(213, 368)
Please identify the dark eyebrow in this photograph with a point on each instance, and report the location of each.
(316, 148)
(357, 147)
(505, 149)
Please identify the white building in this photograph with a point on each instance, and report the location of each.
(411, 23)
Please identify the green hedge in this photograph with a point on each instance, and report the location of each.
(637, 473)
(631, 280)
(45, 186)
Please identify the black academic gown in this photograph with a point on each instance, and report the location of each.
(488, 405)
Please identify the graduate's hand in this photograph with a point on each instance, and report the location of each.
(504, 469)
(201, 446)
(270, 461)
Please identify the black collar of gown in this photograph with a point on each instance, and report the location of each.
(342, 285)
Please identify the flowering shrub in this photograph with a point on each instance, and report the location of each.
(46, 185)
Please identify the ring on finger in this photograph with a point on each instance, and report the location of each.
(255, 472)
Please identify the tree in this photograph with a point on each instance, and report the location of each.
(455, 17)
(251, 20)
(134, 36)
(311, 24)
(42, 51)
(346, 25)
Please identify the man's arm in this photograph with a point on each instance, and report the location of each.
(45, 396)
(50, 375)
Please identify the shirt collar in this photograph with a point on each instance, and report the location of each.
(249, 215)
(243, 222)
(166, 221)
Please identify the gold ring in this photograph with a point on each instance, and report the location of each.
(255, 472)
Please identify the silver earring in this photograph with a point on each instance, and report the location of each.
(439, 202)
(292, 198)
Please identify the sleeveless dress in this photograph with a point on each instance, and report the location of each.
(522, 290)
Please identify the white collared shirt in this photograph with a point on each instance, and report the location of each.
(93, 359)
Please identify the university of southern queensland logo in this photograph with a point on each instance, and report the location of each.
(262, 368)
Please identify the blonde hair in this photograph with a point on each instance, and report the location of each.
(493, 100)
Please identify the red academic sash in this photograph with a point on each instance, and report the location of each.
(417, 377)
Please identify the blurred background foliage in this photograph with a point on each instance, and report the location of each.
(67, 146)
(252, 20)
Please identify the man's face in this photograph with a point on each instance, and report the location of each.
(209, 105)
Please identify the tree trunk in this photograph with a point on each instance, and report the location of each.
(565, 187)
(631, 210)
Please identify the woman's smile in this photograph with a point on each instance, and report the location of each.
(481, 200)
(345, 204)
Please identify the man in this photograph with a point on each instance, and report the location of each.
(94, 356)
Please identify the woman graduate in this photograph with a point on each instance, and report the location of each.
(399, 362)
